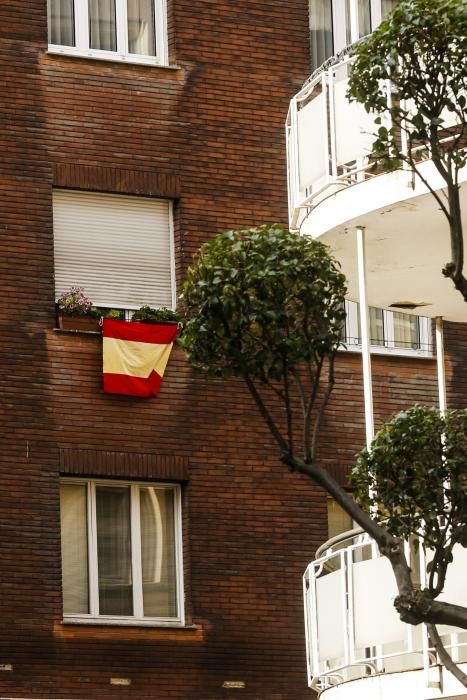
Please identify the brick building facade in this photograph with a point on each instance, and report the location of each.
(205, 132)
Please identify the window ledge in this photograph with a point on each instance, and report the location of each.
(125, 622)
(396, 352)
(76, 332)
(110, 57)
(75, 628)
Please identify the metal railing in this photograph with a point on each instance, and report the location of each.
(329, 139)
(352, 628)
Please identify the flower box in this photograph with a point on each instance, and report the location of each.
(79, 323)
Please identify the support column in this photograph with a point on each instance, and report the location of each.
(366, 367)
(365, 331)
(440, 365)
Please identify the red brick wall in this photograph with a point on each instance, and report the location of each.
(209, 134)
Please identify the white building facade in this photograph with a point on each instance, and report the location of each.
(392, 241)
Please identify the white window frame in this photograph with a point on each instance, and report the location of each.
(82, 48)
(138, 618)
(339, 21)
(352, 333)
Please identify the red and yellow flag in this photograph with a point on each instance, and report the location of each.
(135, 356)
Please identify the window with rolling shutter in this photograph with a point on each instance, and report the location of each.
(118, 247)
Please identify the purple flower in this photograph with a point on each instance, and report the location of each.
(74, 302)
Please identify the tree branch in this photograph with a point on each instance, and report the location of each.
(266, 415)
(322, 408)
(287, 403)
(445, 657)
(314, 381)
(414, 606)
(303, 403)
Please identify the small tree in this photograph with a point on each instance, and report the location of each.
(267, 305)
(414, 480)
(420, 49)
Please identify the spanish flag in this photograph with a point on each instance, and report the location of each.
(135, 356)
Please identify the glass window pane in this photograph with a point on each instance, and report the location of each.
(141, 35)
(158, 552)
(73, 515)
(61, 22)
(338, 520)
(320, 32)
(102, 26)
(114, 550)
(376, 326)
(364, 17)
(405, 330)
(348, 28)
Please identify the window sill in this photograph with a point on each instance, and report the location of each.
(110, 57)
(391, 352)
(71, 629)
(76, 332)
(125, 622)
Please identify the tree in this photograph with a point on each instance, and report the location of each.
(267, 305)
(414, 480)
(420, 49)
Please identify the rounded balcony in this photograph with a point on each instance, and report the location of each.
(356, 645)
(333, 188)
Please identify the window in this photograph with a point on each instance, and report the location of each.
(132, 30)
(390, 331)
(334, 24)
(338, 520)
(119, 248)
(121, 551)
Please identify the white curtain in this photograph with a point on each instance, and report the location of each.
(376, 326)
(405, 330)
(338, 520)
(320, 31)
(364, 17)
(387, 6)
(60, 22)
(73, 515)
(158, 552)
(141, 35)
(114, 550)
(102, 26)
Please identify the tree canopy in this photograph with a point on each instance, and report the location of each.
(262, 302)
(414, 479)
(420, 51)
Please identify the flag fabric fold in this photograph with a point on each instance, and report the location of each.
(135, 356)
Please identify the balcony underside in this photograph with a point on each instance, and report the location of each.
(407, 241)
(408, 684)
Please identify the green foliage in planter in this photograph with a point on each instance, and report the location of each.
(114, 314)
(147, 313)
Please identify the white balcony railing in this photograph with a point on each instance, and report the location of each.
(352, 628)
(329, 139)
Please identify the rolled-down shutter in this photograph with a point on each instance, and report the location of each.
(119, 248)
